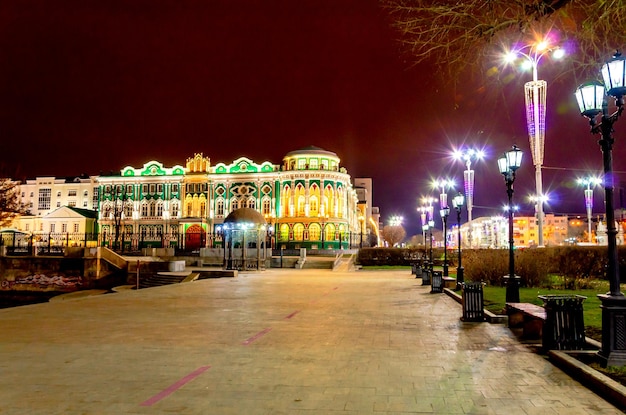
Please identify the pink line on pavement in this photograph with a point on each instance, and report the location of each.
(292, 314)
(174, 387)
(257, 336)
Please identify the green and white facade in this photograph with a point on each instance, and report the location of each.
(308, 201)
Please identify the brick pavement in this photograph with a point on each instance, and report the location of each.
(276, 342)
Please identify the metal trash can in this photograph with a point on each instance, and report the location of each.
(426, 275)
(436, 285)
(473, 302)
(564, 328)
(418, 270)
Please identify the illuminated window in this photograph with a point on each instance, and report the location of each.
(220, 207)
(202, 209)
(160, 209)
(76, 227)
(267, 206)
(315, 232)
(144, 210)
(298, 232)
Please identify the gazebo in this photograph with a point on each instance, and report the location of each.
(245, 232)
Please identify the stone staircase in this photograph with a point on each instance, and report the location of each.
(159, 279)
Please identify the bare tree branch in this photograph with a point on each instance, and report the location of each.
(460, 35)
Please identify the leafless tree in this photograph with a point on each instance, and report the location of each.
(393, 234)
(458, 35)
(10, 205)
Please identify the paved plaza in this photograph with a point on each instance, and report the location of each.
(275, 342)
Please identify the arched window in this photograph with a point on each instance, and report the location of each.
(128, 210)
(329, 232)
(189, 209)
(175, 208)
(144, 210)
(152, 209)
(252, 202)
(283, 235)
(159, 208)
(298, 232)
(315, 231)
(202, 209)
(234, 205)
(301, 206)
(267, 206)
(220, 207)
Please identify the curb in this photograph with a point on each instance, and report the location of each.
(601, 384)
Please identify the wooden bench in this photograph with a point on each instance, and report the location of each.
(530, 317)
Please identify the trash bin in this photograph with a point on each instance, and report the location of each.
(418, 270)
(414, 268)
(564, 328)
(436, 285)
(426, 275)
(473, 302)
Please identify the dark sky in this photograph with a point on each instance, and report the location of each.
(90, 86)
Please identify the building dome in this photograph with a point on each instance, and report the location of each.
(245, 215)
(311, 150)
(311, 158)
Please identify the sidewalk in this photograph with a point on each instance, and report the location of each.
(275, 342)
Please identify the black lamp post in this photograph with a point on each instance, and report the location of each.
(593, 101)
(457, 202)
(508, 165)
(445, 212)
(431, 224)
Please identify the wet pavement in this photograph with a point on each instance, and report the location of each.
(275, 342)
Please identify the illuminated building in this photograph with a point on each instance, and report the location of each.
(307, 202)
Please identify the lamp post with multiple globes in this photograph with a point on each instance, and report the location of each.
(589, 182)
(457, 202)
(593, 101)
(535, 95)
(508, 165)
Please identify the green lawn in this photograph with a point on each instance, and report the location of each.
(495, 298)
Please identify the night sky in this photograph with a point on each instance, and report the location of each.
(94, 86)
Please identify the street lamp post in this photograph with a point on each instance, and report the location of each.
(467, 155)
(589, 182)
(535, 96)
(508, 165)
(444, 213)
(457, 202)
(593, 101)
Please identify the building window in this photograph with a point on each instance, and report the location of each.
(71, 203)
(175, 188)
(202, 209)
(27, 227)
(152, 187)
(76, 227)
(71, 193)
(159, 188)
(220, 207)
(298, 232)
(313, 164)
(144, 210)
(45, 196)
(94, 202)
(144, 189)
(84, 203)
(175, 210)
(128, 210)
(267, 206)
(152, 210)
(160, 209)
(58, 194)
(31, 194)
(41, 227)
(64, 227)
(86, 193)
(301, 164)
(252, 203)
(51, 227)
(23, 194)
